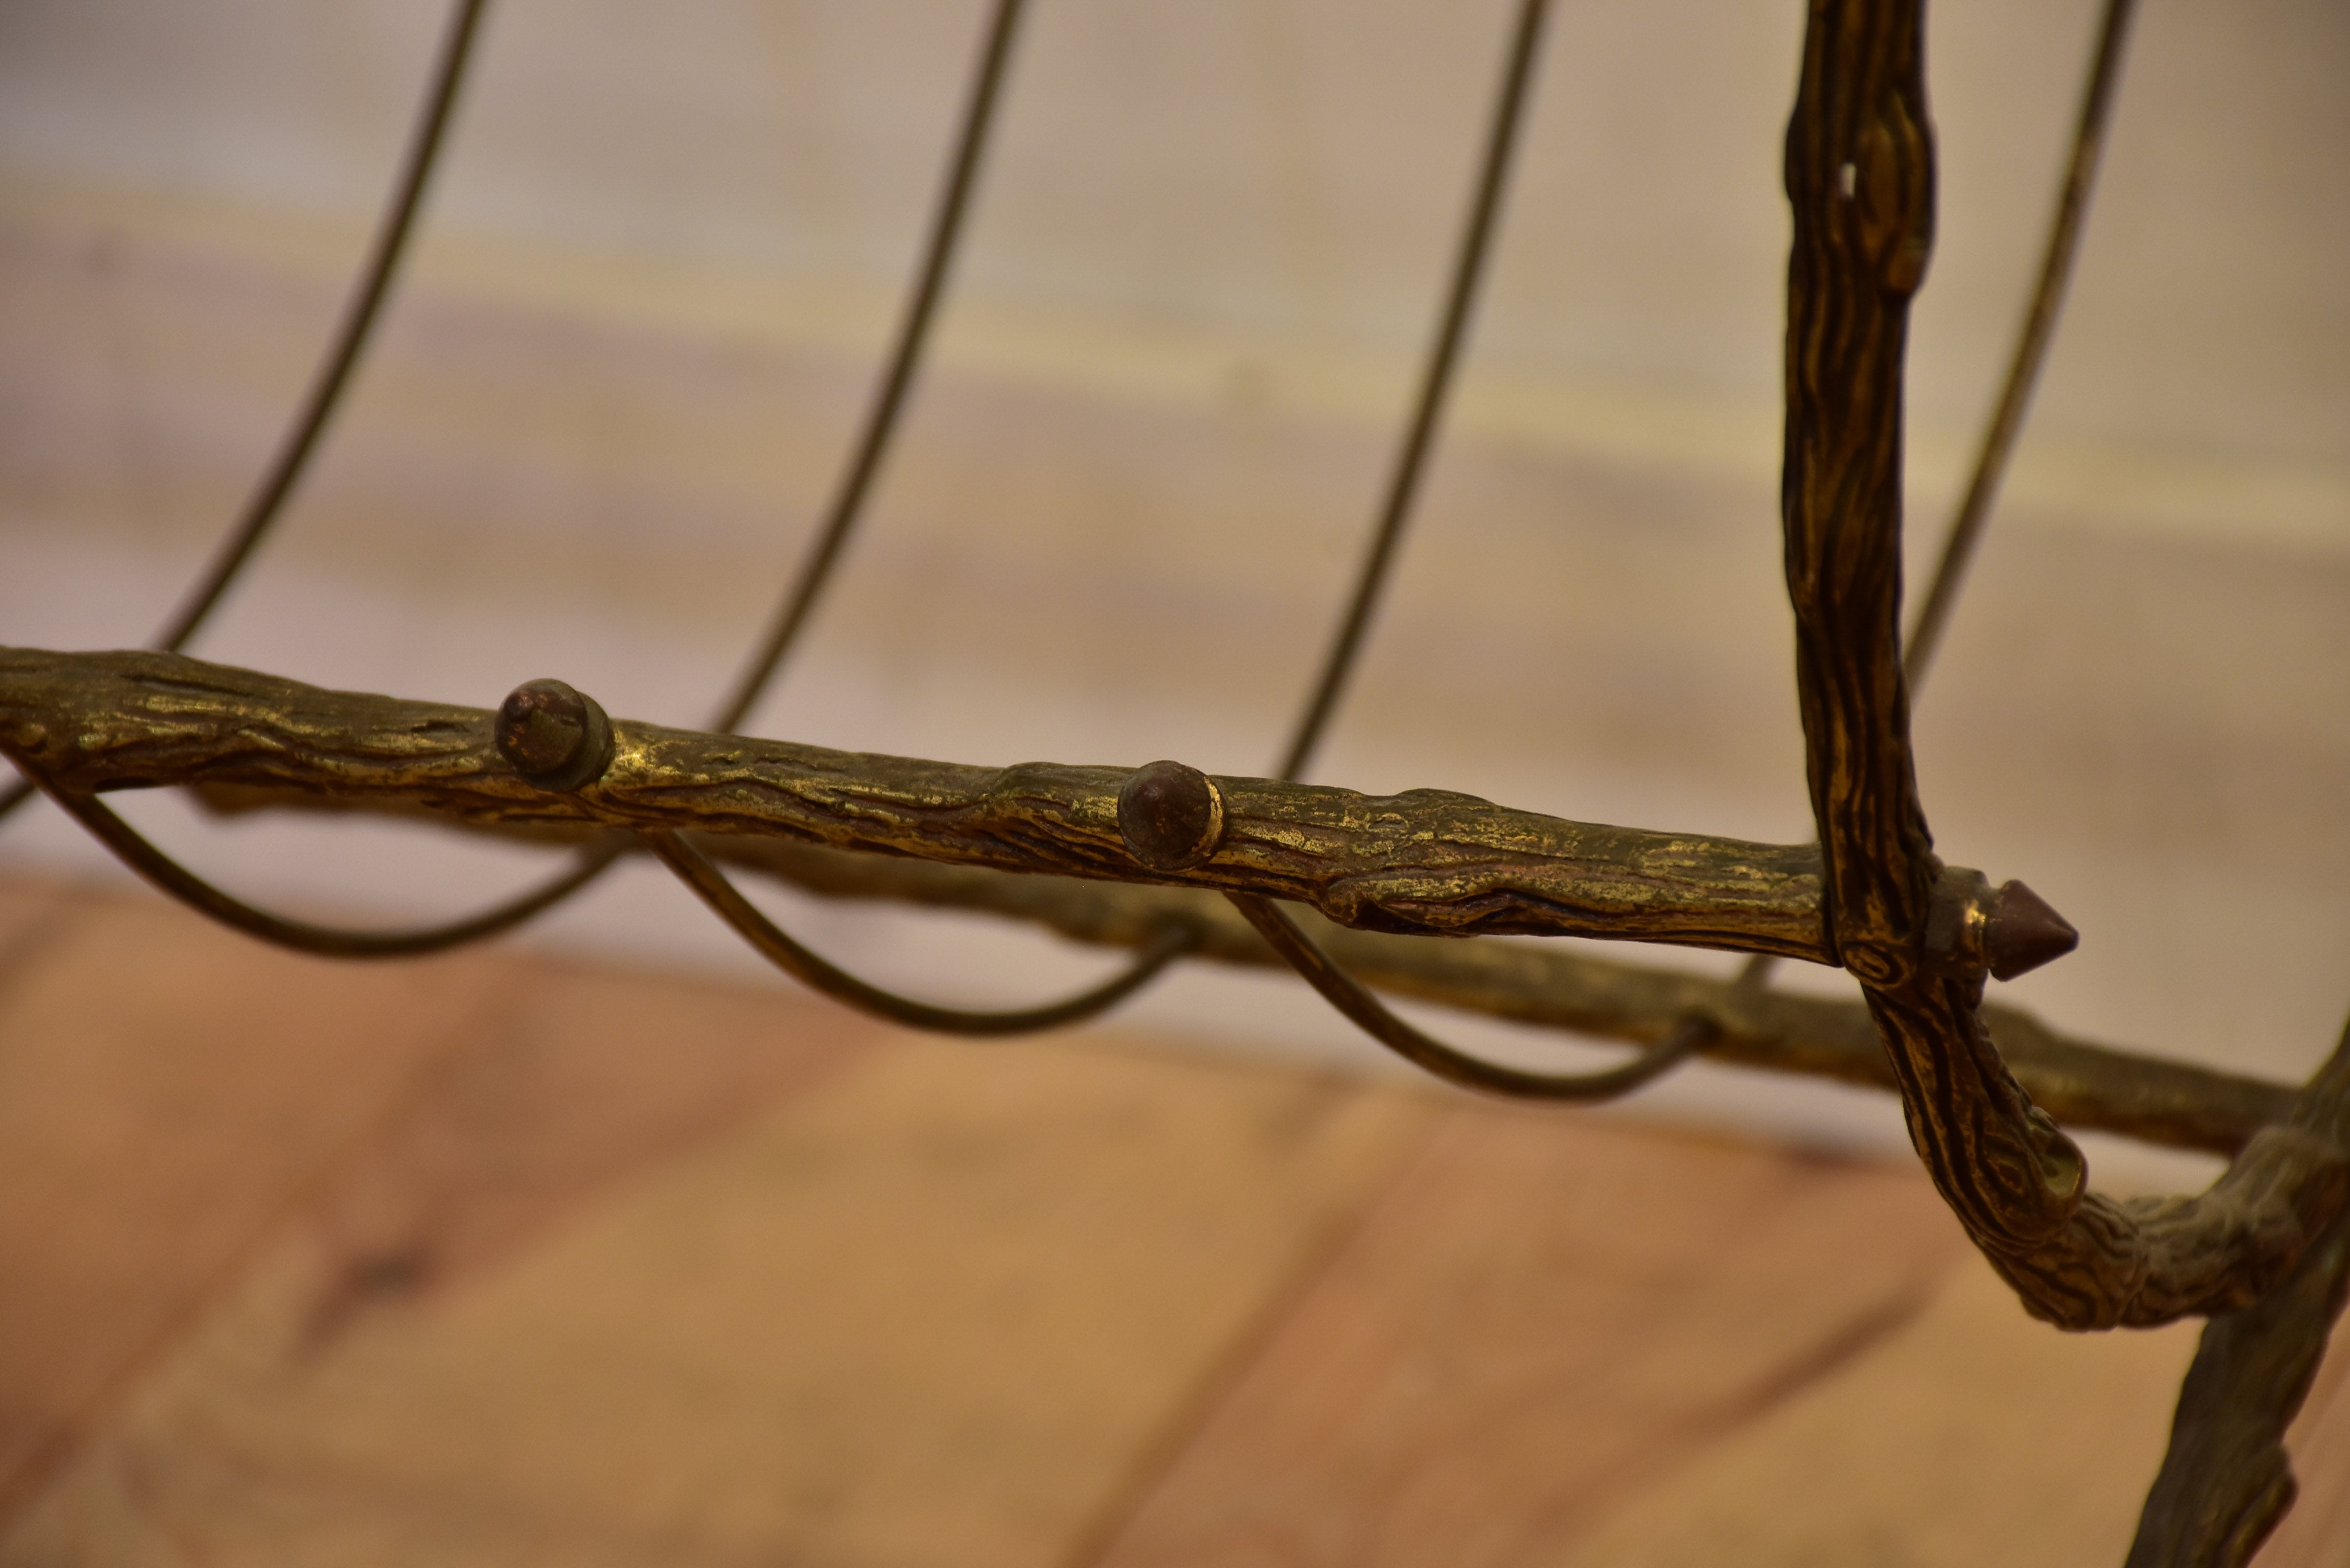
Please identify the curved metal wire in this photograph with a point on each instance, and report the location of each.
(1435, 381)
(889, 397)
(1403, 486)
(351, 334)
(694, 869)
(2031, 346)
(808, 583)
(815, 571)
(1341, 990)
(1349, 996)
(267, 501)
(327, 942)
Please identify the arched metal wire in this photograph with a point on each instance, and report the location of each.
(1410, 460)
(333, 374)
(1318, 968)
(133, 849)
(1436, 379)
(1925, 638)
(1352, 998)
(813, 576)
(779, 947)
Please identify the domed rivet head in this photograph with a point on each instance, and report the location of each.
(2021, 932)
(555, 737)
(1172, 816)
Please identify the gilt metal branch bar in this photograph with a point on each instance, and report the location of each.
(1860, 180)
(115, 720)
(2265, 1252)
(1427, 861)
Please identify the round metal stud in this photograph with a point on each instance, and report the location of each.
(1170, 815)
(555, 737)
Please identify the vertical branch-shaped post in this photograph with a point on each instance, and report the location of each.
(1860, 180)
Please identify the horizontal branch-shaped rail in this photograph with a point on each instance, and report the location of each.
(111, 721)
(1427, 862)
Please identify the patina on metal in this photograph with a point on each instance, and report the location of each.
(1169, 861)
(1172, 816)
(1426, 861)
(557, 737)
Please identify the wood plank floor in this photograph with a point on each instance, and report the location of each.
(494, 1259)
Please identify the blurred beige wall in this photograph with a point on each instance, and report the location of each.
(1208, 248)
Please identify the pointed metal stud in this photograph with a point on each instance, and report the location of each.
(2021, 932)
(2009, 930)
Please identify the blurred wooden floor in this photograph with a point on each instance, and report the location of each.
(492, 1260)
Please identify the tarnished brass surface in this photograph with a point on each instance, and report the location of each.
(2225, 1481)
(2265, 1252)
(1426, 861)
(1860, 181)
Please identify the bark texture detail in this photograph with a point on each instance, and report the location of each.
(2225, 1481)
(1860, 180)
(1427, 862)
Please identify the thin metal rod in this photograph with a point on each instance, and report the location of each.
(1338, 988)
(881, 418)
(350, 340)
(786, 953)
(1925, 638)
(1435, 381)
(1349, 996)
(327, 942)
(333, 374)
(807, 584)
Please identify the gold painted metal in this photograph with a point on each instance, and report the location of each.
(1148, 860)
(1860, 180)
(1427, 861)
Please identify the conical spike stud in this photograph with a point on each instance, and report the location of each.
(2021, 932)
